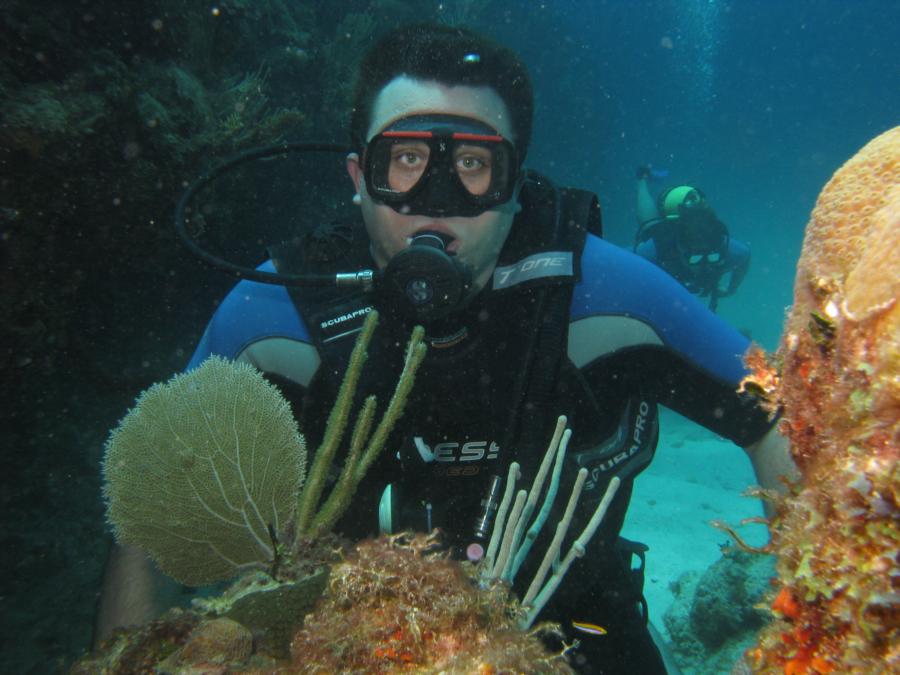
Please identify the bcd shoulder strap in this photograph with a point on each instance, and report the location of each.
(553, 222)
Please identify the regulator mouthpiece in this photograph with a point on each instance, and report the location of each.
(424, 281)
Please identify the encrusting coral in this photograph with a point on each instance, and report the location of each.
(837, 607)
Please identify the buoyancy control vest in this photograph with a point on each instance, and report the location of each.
(495, 379)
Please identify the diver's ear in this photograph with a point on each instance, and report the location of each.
(355, 170)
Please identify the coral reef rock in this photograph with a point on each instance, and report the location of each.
(217, 641)
(399, 605)
(393, 604)
(714, 617)
(837, 604)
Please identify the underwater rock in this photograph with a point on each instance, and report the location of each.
(394, 604)
(218, 641)
(722, 606)
(399, 605)
(713, 618)
(272, 609)
(837, 608)
(140, 649)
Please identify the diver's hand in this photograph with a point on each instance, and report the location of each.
(650, 172)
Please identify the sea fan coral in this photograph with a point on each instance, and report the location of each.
(203, 469)
(838, 601)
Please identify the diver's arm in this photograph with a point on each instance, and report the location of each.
(772, 462)
(134, 591)
(738, 264)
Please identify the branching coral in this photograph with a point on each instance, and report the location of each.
(512, 537)
(836, 537)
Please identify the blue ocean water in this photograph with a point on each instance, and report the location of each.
(757, 102)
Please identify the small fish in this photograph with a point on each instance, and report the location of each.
(591, 628)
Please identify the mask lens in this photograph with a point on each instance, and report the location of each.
(474, 165)
(396, 165)
(692, 200)
(407, 162)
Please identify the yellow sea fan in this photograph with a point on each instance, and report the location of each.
(202, 468)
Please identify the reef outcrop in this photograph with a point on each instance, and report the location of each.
(398, 604)
(393, 604)
(837, 378)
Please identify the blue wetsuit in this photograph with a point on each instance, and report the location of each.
(636, 338)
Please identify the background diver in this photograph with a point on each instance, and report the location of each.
(680, 232)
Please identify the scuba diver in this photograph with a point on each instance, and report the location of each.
(681, 233)
(528, 314)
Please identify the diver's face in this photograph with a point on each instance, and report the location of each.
(699, 238)
(476, 241)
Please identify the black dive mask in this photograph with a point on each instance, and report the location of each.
(440, 166)
(701, 238)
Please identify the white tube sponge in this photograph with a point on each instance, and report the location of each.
(202, 468)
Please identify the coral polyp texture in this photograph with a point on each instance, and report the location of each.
(837, 604)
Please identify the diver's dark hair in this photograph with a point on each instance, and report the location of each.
(448, 54)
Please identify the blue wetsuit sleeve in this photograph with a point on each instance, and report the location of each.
(671, 346)
(251, 312)
(738, 264)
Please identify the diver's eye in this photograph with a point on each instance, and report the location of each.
(408, 162)
(473, 166)
(471, 158)
(408, 158)
(409, 155)
(469, 163)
